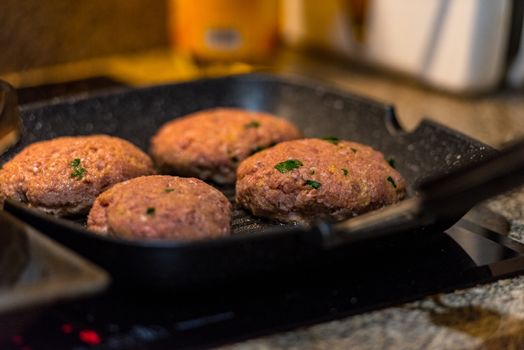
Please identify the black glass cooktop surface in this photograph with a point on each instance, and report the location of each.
(367, 276)
(373, 275)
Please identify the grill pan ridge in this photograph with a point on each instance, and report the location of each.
(317, 109)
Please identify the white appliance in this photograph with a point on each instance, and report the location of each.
(456, 45)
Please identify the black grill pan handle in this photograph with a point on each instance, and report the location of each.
(443, 199)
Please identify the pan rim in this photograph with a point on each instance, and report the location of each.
(289, 79)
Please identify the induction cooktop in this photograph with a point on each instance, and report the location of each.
(369, 276)
(379, 274)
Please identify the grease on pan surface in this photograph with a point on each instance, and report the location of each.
(304, 180)
(209, 144)
(161, 207)
(63, 176)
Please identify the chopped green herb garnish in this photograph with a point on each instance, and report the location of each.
(331, 139)
(393, 183)
(354, 150)
(288, 165)
(78, 171)
(252, 124)
(150, 211)
(314, 184)
(167, 190)
(392, 163)
(234, 159)
(345, 172)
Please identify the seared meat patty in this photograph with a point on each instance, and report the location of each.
(209, 144)
(161, 207)
(303, 180)
(63, 176)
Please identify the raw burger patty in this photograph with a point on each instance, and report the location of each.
(161, 207)
(303, 180)
(63, 176)
(209, 144)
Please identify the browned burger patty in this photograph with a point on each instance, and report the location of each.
(209, 144)
(302, 180)
(161, 207)
(63, 176)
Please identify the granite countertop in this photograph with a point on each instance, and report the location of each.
(483, 317)
(487, 316)
(495, 118)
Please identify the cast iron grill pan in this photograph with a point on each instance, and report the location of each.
(257, 247)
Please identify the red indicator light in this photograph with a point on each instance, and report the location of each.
(67, 328)
(89, 337)
(17, 340)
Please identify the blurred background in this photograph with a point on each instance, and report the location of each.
(460, 62)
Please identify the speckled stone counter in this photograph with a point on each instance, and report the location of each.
(487, 316)
(484, 317)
